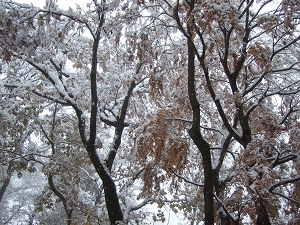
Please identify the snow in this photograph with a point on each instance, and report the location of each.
(25, 5)
(63, 5)
(104, 116)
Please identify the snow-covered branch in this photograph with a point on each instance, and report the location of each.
(283, 182)
(185, 179)
(55, 11)
(138, 206)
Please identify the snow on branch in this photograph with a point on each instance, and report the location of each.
(185, 179)
(27, 157)
(55, 11)
(138, 206)
(233, 218)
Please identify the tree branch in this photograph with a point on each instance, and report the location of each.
(283, 182)
(62, 198)
(185, 179)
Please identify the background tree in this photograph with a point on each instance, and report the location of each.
(242, 63)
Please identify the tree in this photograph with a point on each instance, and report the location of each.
(46, 40)
(242, 60)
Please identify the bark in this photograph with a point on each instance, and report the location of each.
(6, 181)
(220, 186)
(111, 197)
(204, 148)
(197, 138)
(262, 213)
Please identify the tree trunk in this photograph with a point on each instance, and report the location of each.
(204, 148)
(6, 181)
(3, 187)
(262, 213)
(111, 197)
(201, 144)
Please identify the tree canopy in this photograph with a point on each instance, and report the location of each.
(112, 110)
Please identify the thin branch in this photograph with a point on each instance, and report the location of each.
(247, 114)
(53, 99)
(120, 125)
(224, 150)
(178, 119)
(18, 154)
(284, 47)
(132, 208)
(287, 115)
(62, 198)
(280, 160)
(88, 175)
(246, 10)
(136, 176)
(58, 69)
(224, 208)
(185, 179)
(140, 205)
(283, 182)
(286, 197)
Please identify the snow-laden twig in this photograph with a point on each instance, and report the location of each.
(185, 179)
(88, 175)
(283, 182)
(233, 218)
(132, 208)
